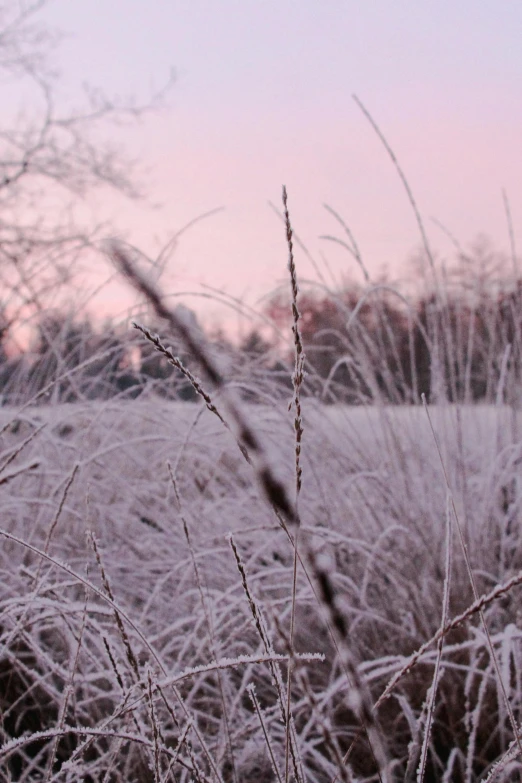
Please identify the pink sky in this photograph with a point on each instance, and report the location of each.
(263, 97)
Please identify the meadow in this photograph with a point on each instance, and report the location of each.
(146, 594)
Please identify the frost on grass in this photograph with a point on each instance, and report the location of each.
(76, 699)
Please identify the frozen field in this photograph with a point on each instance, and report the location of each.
(145, 475)
(351, 457)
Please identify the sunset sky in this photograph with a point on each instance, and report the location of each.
(263, 97)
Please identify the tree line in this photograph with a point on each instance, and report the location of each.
(456, 342)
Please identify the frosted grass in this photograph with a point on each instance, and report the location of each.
(373, 500)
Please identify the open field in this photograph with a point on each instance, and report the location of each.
(143, 649)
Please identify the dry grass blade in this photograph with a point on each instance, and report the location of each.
(472, 582)
(19, 471)
(297, 382)
(344, 772)
(17, 451)
(432, 693)
(360, 696)
(402, 176)
(56, 733)
(155, 729)
(273, 488)
(476, 607)
(176, 362)
(257, 707)
(68, 693)
(131, 657)
(61, 505)
(291, 746)
(511, 233)
(353, 247)
(208, 619)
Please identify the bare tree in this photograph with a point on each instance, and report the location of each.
(51, 157)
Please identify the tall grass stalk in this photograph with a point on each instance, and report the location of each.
(297, 382)
(276, 493)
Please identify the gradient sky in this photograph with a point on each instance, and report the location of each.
(263, 96)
